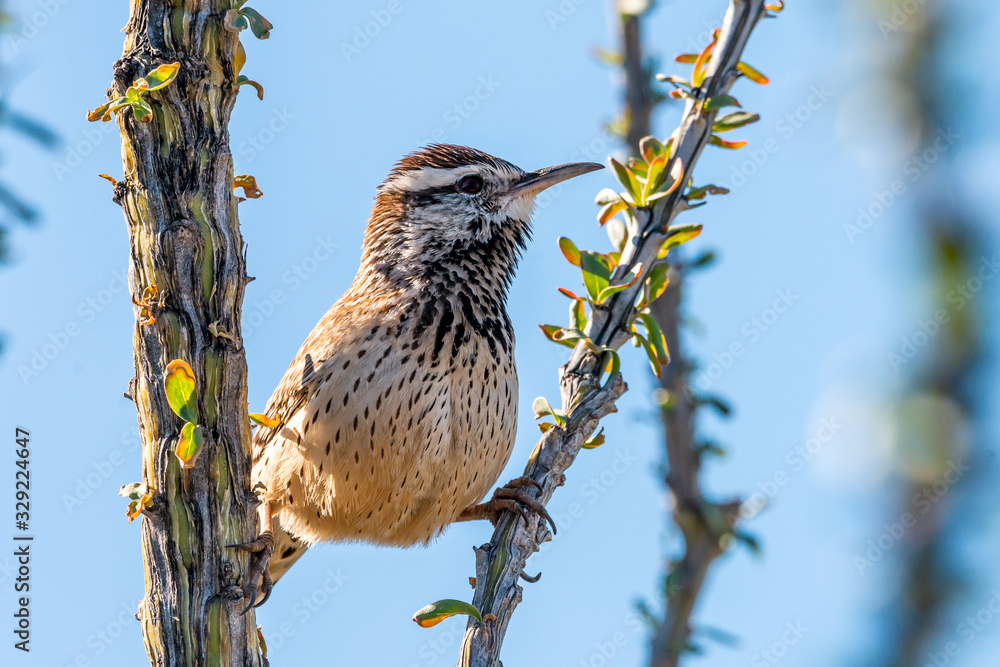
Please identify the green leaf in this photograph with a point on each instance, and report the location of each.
(638, 167)
(711, 449)
(715, 140)
(627, 179)
(100, 113)
(436, 612)
(632, 277)
(676, 177)
(143, 112)
(189, 445)
(612, 362)
(609, 211)
(182, 394)
(578, 315)
(596, 272)
(263, 644)
(236, 21)
(606, 196)
(140, 499)
(259, 25)
(617, 233)
(735, 120)
(239, 59)
(748, 540)
(242, 80)
(264, 420)
(104, 111)
(606, 57)
(249, 185)
(541, 408)
(596, 441)
(654, 361)
(699, 193)
(671, 78)
(678, 235)
(701, 64)
(569, 336)
(162, 76)
(718, 404)
(136, 507)
(659, 278)
(656, 176)
(569, 251)
(550, 331)
(651, 148)
(720, 102)
(752, 74)
(656, 338)
(703, 260)
(135, 490)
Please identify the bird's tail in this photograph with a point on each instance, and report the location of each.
(287, 550)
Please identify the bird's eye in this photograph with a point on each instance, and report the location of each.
(470, 184)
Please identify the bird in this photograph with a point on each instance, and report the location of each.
(399, 411)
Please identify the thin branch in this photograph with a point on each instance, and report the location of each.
(697, 519)
(584, 399)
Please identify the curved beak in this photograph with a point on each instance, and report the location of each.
(535, 181)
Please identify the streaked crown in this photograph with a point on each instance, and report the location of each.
(454, 209)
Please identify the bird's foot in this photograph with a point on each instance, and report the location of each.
(260, 550)
(514, 497)
(260, 559)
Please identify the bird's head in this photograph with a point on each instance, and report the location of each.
(448, 208)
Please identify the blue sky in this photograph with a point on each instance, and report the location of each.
(815, 311)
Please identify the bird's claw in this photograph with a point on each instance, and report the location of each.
(513, 497)
(531, 580)
(260, 550)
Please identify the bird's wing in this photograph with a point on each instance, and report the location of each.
(336, 338)
(288, 398)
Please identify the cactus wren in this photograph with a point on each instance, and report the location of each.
(398, 413)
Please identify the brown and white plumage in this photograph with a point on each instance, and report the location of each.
(399, 411)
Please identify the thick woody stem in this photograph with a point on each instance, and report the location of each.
(184, 237)
(499, 563)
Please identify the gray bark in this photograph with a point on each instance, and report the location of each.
(184, 236)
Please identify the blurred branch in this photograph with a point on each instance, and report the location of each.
(939, 409)
(18, 209)
(705, 526)
(16, 205)
(500, 563)
(638, 101)
(28, 127)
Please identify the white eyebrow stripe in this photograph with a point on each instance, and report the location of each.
(427, 178)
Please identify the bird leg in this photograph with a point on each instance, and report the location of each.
(513, 497)
(260, 550)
